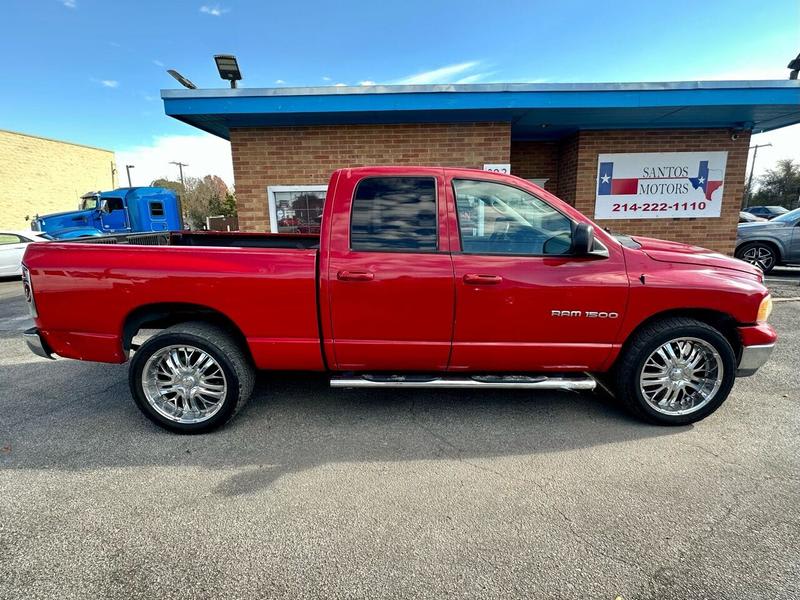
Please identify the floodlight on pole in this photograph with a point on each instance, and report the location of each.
(181, 79)
(228, 68)
(794, 65)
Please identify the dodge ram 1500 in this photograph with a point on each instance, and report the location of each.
(420, 277)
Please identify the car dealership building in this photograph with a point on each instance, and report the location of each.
(659, 159)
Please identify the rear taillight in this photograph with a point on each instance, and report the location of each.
(27, 287)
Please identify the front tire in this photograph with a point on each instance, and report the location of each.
(761, 255)
(191, 378)
(675, 371)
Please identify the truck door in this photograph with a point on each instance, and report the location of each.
(522, 302)
(113, 216)
(389, 278)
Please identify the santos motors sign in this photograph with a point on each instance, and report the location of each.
(660, 185)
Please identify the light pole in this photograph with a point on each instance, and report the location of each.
(752, 168)
(180, 170)
(128, 171)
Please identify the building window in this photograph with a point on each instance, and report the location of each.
(394, 214)
(295, 208)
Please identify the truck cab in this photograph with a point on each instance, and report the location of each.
(124, 210)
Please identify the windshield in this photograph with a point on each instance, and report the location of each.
(89, 203)
(788, 217)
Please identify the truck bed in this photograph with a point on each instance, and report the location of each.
(298, 241)
(263, 285)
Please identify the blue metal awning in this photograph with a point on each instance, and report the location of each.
(535, 111)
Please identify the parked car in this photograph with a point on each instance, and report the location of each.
(125, 210)
(767, 212)
(746, 217)
(12, 247)
(770, 243)
(419, 278)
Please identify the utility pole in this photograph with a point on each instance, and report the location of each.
(752, 168)
(128, 171)
(180, 170)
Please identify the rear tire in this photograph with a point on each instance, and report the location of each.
(191, 378)
(675, 391)
(761, 255)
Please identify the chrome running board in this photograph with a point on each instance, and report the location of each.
(524, 382)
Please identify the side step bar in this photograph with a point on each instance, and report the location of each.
(579, 382)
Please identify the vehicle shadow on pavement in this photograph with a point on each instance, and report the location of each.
(77, 416)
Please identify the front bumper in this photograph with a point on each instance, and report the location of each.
(37, 344)
(753, 358)
(758, 341)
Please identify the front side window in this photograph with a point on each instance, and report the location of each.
(394, 214)
(499, 219)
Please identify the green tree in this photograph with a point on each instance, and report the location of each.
(779, 185)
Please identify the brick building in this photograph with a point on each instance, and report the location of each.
(40, 175)
(285, 143)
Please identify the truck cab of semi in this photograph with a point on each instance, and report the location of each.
(124, 210)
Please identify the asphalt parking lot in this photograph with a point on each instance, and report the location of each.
(314, 492)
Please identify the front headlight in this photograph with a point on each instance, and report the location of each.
(764, 309)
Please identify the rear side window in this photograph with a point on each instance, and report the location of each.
(156, 209)
(7, 239)
(394, 214)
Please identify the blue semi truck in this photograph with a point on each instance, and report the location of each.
(124, 210)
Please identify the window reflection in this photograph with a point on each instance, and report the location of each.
(394, 213)
(500, 219)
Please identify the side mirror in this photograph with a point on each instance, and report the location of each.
(582, 239)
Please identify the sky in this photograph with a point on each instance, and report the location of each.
(91, 71)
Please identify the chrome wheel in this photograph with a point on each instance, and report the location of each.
(760, 256)
(681, 376)
(184, 384)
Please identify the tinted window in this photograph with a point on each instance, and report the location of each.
(156, 209)
(114, 204)
(499, 219)
(394, 213)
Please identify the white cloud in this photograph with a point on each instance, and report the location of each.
(326, 78)
(158, 63)
(109, 83)
(69, 3)
(204, 154)
(785, 144)
(340, 85)
(366, 82)
(150, 98)
(279, 81)
(213, 10)
(441, 75)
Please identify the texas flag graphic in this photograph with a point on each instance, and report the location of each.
(608, 185)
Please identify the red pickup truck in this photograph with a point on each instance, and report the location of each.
(420, 277)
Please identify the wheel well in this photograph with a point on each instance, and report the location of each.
(163, 315)
(769, 243)
(722, 322)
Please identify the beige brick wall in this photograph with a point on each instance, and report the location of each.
(38, 175)
(307, 155)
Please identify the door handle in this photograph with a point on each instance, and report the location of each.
(355, 276)
(479, 279)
